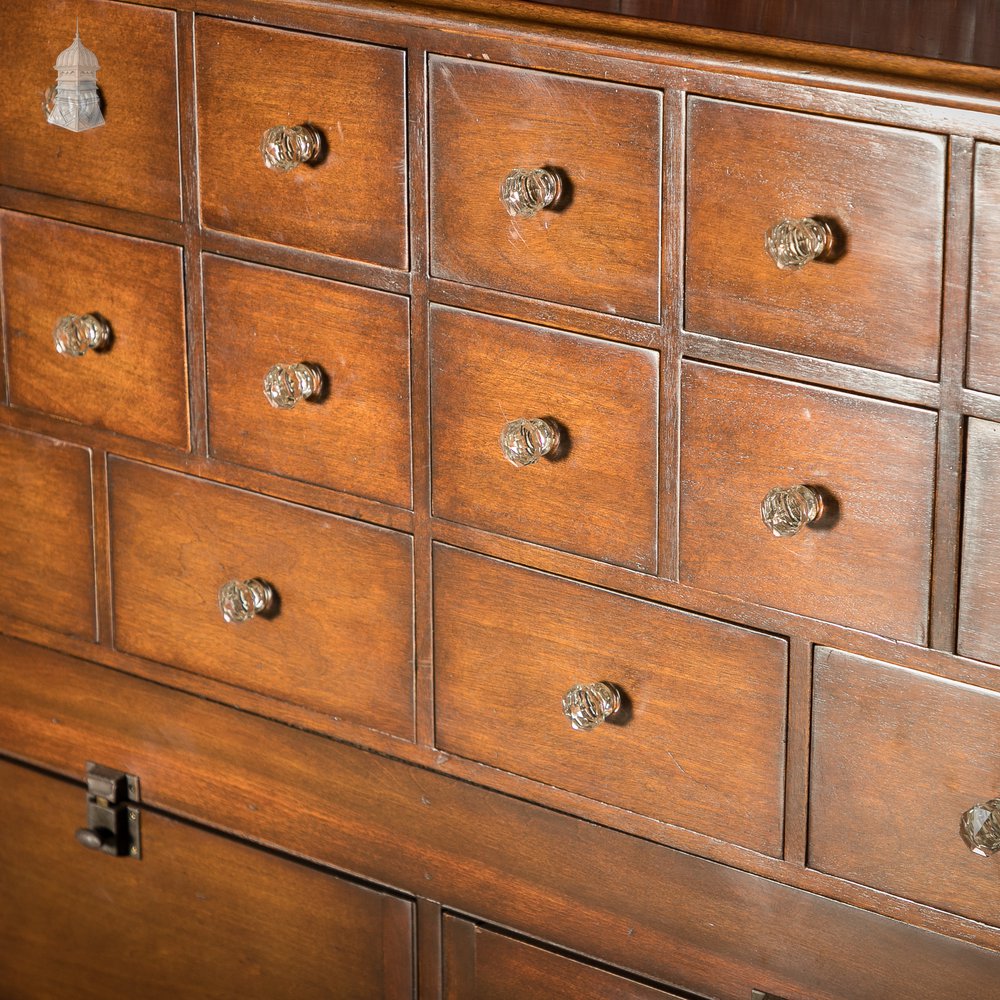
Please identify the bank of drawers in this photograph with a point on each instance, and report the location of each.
(698, 740)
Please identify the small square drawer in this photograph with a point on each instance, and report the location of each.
(979, 608)
(46, 533)
(579, 164)
(854, 218)
(905, 767)
(481, 964)
(302, 140)
(698, 735)
(309, 378)
(984, 302)
(95, 328)
(577, 469)
(300, 605)
(132, 161)
(805, 499)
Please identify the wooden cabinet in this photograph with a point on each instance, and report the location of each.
(507, 492)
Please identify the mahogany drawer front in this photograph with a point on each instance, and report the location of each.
(350, 199)
(596, 494)
(874, 299)
(46, 533)
(481, 964)
(338, 637)
(699, 741)
(984, 302)
(865, 562)
(198, 915)
(130, 162)
(137, 383)
(354, 433)
(598, 245)
(897, 758)
(978, 620)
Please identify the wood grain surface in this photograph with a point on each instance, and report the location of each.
(46, 533)
(866, 564)
(700, 742)
(356, 436)
(341, 637)
(984, 301)
(198, 916)
(598, 497)
(480, 964)
(877, 302)
(132, 161)
(600, 249)
(978, 621)
(686, 922)
(350, 203)
(897, 758)
(138, 384)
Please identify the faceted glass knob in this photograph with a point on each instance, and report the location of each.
(284, 147)
(75, 335)
(792, 243)
(525, 441)
(526, 192)
(286, 385)
(588, 705)
(787, 510)
(980, 828)
(241, 600)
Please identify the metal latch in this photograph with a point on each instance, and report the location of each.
(112, 812)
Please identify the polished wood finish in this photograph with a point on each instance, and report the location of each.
(604, 139)
(984, 304)
(131, 162)
(683, 921)
(866, 563)
(480, 964)
(485, 372)
(877, 301)
(339, 639)
(699, 741)
(978, 623)
(352, 201)
(198, 909)
(897, 758)
(356, 436)
(138, 384)
(46, 533)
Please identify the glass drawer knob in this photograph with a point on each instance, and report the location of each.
(241, 600)
(526, 192)
(588, 705)
(525, 441)
(286, 385)
(787, 510)
(75, 335)
(284, 147)
(980, 828)
(792, 243)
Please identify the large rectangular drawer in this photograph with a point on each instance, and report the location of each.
(596, 492)
(132, 161)
(874, 298)
(136, 382)
(199, 915)
(349, 198)
(47, 534)
(898, 759)
(353, 434)
(865, 561)
(337, 636)
(598, 244)
(699, 740)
